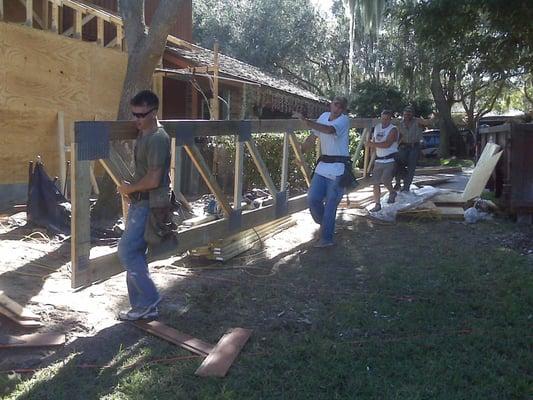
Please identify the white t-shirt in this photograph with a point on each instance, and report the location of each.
(333, 145)
(381, 135)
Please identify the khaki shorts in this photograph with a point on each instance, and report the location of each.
(383, 173)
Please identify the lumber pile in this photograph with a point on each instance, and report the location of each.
(226, 249)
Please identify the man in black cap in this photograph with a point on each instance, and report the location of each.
(410, 137)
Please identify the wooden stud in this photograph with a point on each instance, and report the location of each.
(78, 24)
(29, 13)
(54, 25)
(215, 102)
(300, 160)
(1, 10)
(80, 184)
(45, 14)
(202, 167)
(239, 174)
(100, 31)
(261, 166)
(173, 163)
(120, 37)
(61, 146)
(285, 163)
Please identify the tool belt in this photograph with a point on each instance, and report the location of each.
(348, 179)
(139, 196)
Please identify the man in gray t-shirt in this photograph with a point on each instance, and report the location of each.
(150, 188)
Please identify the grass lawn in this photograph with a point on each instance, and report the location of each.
(416, 310)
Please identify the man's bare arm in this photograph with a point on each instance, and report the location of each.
(393, 137)
(150, 181)
(327, 129)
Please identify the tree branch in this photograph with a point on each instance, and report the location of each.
(164, 17)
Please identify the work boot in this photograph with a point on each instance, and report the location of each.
(392, 197)
(376, 208)
(139, 314)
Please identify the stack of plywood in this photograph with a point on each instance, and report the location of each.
(225, 249)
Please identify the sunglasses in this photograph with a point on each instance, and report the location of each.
(142, 115)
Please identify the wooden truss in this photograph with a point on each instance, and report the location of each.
(92, 141)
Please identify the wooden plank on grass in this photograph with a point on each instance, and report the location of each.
(33, 340)
(218, 362)
(15, 307)
(171, 335)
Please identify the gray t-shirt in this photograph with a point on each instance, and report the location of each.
(153, 151)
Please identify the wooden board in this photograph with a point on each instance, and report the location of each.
(219, 361)
(15, 307)
(480, 176)
(171, 335)
(25, 323)
(33, 340)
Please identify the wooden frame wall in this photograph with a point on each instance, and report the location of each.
(92, 141)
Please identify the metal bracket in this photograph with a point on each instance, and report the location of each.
(282, 204)
(245, 131)
(185, 135)
(92, 139)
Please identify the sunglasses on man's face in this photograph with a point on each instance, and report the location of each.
(142, 115)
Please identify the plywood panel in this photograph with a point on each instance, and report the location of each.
(42, 73)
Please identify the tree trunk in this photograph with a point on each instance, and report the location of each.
(448, 129)
(145, 50)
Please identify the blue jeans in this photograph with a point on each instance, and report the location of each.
(132, 254)
(323, 197)
(407, 165)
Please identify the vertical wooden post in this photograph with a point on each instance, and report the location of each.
(194, 101)
(215, 103)
(80, 223)
(1, 10)
(61, 146)
(77, 24)
(239, 174)
(173, 163)
(99, 31)
(285, 162)
(54, 26)
(120, 36)
(45, 14)
(29, 13)
(178, 157)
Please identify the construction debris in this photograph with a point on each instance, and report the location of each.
(218, 359)
(18, 314)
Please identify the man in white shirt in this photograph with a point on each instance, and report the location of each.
(326, 192)
(385, 141)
